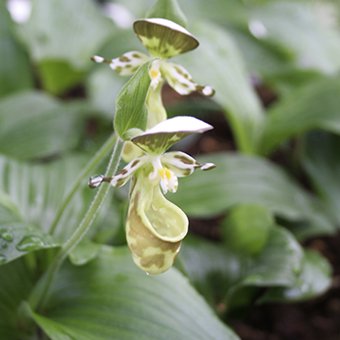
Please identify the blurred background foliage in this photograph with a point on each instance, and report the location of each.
(275, 67)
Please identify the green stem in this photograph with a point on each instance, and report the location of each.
(40, 293)
(97, 158)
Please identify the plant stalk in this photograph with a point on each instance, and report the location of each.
(39, 295)
(97, 158)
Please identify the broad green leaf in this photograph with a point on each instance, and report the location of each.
(130, 104)
(210, 266)
(219, 11)
(278, 264)
(102, 87)
(17, 239)
(246, 180)
(15, 73)
(314, 280)
(58, 75)
(9, 212)
(247, 227)
(37, 191)
(220, 273)
(84, 252)
(217, 62)
(34, 125)
(62, 35)
(263, 59)
(168, 9)
(321, 160)
(301, 27)
(16, 282)
(110, 298)
(315, 106)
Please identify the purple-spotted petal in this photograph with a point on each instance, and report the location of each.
(162, 136)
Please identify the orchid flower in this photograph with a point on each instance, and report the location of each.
(156, 226)
(163, 39)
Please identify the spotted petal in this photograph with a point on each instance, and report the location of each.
(126, 173)
(181, 81)
(164, 38)
(125, 65)
(179, 163)
(162, 136)
(154, 228)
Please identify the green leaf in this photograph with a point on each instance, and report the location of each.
(131, 111)
(246, 180)
(221, 273)
(9, 212)
(168, 9)
(17, 239)
(34, 125)
(109, 298)
(16, 282)
(63, 35)
(211, 267)
(312, 107)
(102, 87)
(58, 76)
(15, 73)
(84, 252)
(314, 280)
(262, 57)
(218, 62)
(246, 229)
(300, 27)
(278, 264)
(36, 191)
(322, 162)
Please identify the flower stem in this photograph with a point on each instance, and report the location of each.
(39, 295)
(97, 158)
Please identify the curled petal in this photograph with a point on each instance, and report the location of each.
(181, 81)
(164, 38)
(154, 228)
(125, 65)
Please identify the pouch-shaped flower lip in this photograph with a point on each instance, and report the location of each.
(162, 136)
(153, 252)
(164, 38)
(160, 216)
